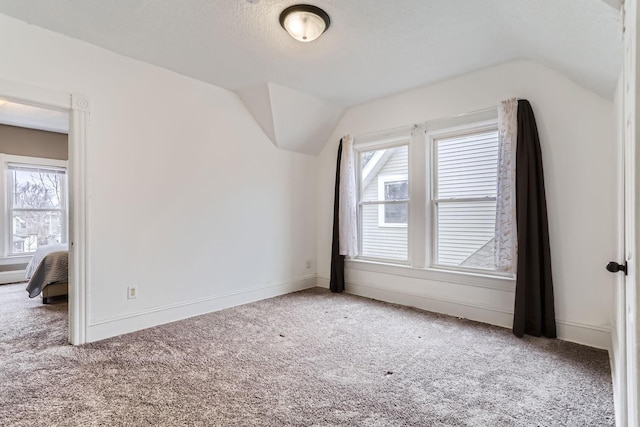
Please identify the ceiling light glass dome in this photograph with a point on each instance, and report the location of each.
(304, 22)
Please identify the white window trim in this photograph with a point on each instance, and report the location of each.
(421, 216)
(5, 215)
(432, 137)
(498, 281)
(382, 181)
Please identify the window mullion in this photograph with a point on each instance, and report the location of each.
(418, 195)
(431, 192)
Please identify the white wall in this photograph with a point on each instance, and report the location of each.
(577, 133)
(187, 197)
(190, 201)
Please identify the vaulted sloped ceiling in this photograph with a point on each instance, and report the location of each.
(372, 49)
(292, 120)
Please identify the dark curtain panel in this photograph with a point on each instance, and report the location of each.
(336, 283)
(534, 312)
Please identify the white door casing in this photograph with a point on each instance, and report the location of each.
(78, 284)
(78, 108)
(629, 310)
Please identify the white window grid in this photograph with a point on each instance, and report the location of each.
(6, 214)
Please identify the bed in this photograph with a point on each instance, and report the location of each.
(48, 272)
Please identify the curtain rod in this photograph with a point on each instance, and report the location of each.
(386, 132)
(415, 125)
(468, 113)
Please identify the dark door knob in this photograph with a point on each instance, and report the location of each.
(614, 267)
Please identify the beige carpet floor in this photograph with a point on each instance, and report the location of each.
(310, 358)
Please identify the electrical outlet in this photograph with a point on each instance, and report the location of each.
(308, 264)
(132, 292)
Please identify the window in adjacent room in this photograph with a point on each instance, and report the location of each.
(36, 206)
(383, 208)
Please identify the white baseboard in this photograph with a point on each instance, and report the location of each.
(14, 276)
(322, 282)
(118, 325)
(581, 333)
(490, 315)
(590, 335)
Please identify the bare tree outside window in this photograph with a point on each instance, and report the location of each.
(38, 207)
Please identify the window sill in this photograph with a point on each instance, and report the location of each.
(501, 283)
(15, 259)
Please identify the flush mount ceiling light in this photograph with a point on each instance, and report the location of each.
(304, 22)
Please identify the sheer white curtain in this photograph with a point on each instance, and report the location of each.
(348, 226)
(506, 234)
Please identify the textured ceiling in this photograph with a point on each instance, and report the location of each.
(372, 49)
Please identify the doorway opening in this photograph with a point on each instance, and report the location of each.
(34, 222)
(74, 112)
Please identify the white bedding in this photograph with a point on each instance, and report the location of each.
(42, 252)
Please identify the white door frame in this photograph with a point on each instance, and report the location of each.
(628, 305)
(78, 108)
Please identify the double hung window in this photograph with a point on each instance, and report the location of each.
(452, 205)
(36, 204)
(464, 174)
(384, 202)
